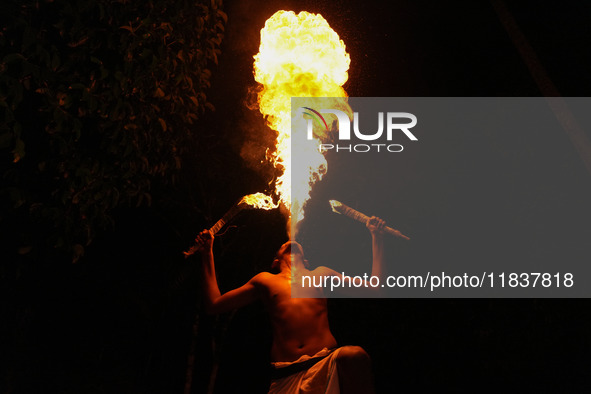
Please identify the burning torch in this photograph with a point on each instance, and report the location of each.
(343, 209)
(251, 201)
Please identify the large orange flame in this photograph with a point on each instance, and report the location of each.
(299, 56)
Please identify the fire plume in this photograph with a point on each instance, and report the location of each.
(299, 56)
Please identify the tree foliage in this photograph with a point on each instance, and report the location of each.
(97, 100)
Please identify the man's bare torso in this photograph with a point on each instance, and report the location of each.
(300, 325)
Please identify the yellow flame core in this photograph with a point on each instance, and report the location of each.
(299, 56)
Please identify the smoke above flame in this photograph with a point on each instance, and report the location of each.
(299, 56)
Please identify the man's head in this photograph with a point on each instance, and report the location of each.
(288, 251)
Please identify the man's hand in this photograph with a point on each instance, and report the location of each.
(375, 225)
(205, 241)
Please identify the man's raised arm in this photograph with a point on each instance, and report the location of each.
(341, 282)
(376, 228)
(215, 302)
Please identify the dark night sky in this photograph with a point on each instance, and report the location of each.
(119, 322)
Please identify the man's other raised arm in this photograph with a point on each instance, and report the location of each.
(376, 227)
(215, 302)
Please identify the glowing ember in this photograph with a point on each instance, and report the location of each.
(259, 201)
(299, 56)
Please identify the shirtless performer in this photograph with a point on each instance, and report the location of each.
(304, 351)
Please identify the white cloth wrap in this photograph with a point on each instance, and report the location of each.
(322, 377)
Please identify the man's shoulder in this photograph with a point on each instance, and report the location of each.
(263, 278)
(323, 271)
